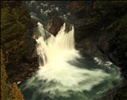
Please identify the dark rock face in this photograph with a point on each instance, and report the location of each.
(114, 47)
(117, 93)
(55, 23)
(113, 35)
(104, 24)
(81, 18)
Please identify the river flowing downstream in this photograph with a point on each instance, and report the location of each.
(64, 72)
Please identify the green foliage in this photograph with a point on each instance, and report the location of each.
(8, 91)
(3, 80)
(14, 20)
(16, 43)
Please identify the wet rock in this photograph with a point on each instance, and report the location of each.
(54, 24)
(105, 24)
(117, 93)
(113, 44)
(79, 8)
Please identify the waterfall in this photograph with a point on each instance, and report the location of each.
(65, 74)
(53, 46)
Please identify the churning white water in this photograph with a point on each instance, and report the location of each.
(64, 73)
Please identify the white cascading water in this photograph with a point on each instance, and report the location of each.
(61, 76)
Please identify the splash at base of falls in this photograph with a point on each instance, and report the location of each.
(66, 74)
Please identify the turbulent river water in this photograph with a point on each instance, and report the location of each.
(64, 73)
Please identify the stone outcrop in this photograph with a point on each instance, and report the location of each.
(54, 24)
(105, 24)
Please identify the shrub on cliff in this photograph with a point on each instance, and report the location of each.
(15, 37)
(8, 91)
